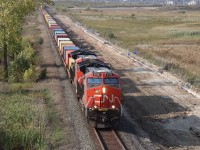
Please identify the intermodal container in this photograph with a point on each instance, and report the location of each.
(67, 50)
(64, 43)
(62, 39)
(60, 36)
(58, 32)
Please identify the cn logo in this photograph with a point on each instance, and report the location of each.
(106, 98)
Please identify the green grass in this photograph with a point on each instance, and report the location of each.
(186, 34)
(22, 123)
(55, 135)
(28, 119)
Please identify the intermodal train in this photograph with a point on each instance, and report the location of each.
(97, 86)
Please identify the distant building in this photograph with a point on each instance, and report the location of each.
(169, 2)
(192, 3)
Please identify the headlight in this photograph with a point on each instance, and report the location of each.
(113, 106)
(95, 106)
(103, 90)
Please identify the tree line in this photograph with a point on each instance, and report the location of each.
(14, 56)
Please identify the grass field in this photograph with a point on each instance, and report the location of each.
(163, 35)
(28, 119)
(23, 118)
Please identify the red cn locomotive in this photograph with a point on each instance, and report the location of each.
(101, 95)
(98, 89)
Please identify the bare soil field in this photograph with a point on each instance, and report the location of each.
(54, 83)
(157, 113)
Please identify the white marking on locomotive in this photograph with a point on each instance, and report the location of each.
(105, 98)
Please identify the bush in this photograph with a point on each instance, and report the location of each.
(182, 11)
(167, 66)
(40, 41)
(133, 15)
(22, 62)
(64, 10)
(17, 68)
(43, 74)
(30, 74)
(111, 36)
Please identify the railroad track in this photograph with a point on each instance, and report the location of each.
(108, 139)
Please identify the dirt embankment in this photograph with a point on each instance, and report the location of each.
(157, 114)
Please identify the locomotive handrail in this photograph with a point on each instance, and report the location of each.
(120, 105)
(88, 104)
(91, 98)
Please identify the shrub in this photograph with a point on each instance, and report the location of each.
(167, 66)
(22, 62)
(182, 11)
(17, 68)
(132, 15)
(30, 74)
(40, 41)
(111, 36)
(64, 10)
(43, 74)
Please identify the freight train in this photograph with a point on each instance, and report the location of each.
(96, 85)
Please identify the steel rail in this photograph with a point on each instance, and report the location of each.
(108, 139)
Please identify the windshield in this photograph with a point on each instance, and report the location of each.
(111, 81)
(94, 82)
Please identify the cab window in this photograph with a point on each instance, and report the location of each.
(111, 81)
(94, 82)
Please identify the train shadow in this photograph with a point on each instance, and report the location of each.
(151, 106)
(128, 86)
(51, 65)
(163, 83)
(166, 122)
